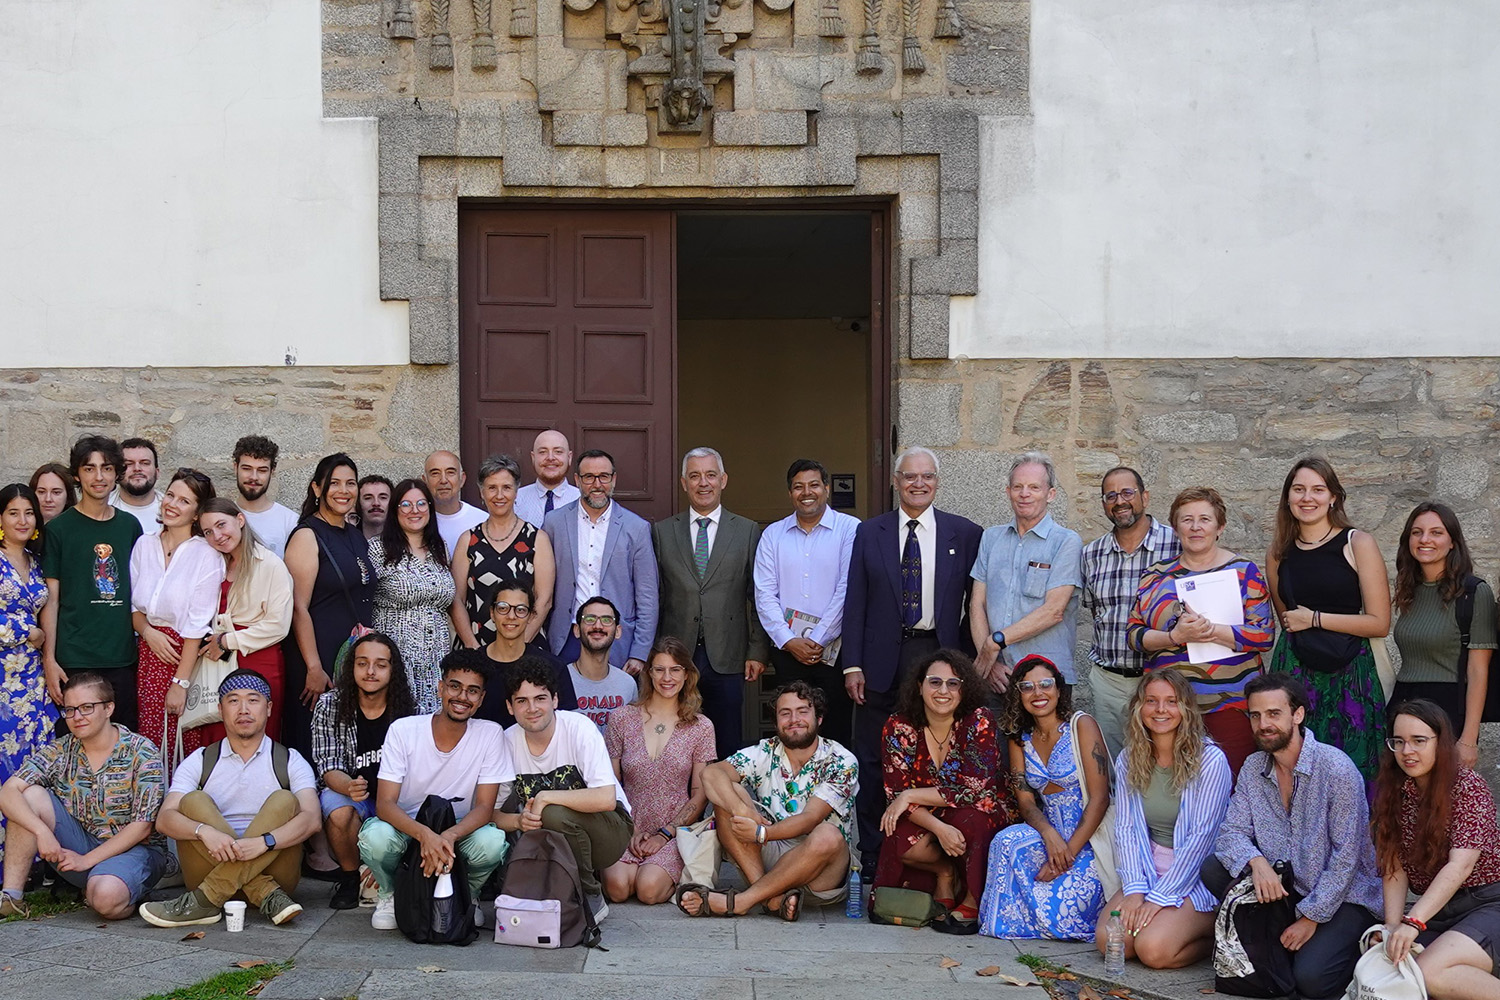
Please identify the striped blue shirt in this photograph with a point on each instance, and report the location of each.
(1204, 802)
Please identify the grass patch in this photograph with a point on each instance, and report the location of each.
(235, 984)
(44, 904)
(1037, 963)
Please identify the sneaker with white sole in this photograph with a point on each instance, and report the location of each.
(279, 907)
(184, 911)
(384, 917)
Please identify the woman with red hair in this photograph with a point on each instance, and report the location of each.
(1436, 834)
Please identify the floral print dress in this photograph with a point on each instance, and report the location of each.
(27, 715)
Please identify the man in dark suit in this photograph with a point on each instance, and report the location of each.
(908, 590)
(706, 558)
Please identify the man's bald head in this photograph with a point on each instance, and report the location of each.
(445, 478)
(551, 457)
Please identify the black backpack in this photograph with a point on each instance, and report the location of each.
(1463, 612)
(422, 916)
(541, 866)
(1249, 958)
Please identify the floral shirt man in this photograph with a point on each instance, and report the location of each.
(831, 774)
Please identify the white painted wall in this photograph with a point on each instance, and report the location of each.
(1270, 178)
(171, 195)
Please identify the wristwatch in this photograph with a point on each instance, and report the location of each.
(182, 683)
(999, 638)
(270, 841)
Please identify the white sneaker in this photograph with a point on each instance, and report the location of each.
(384, 917)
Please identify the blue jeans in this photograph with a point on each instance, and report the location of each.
(381, 846)
(332, 801)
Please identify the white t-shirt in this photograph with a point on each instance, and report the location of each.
(147, 515)
(238, 787)
(273, 527)
(453, 526)
(411, 756)
(597, 699)
(575, 758)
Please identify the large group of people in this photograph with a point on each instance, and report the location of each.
(241, 679)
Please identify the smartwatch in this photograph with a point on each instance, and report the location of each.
(999, 638)
(270, 841)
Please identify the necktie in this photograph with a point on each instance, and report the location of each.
(700, 547)
(548, 509)
(911, 578)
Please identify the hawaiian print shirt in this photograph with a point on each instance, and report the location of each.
(830, 774)
(128, 789)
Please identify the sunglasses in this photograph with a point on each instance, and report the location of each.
(1045, 684)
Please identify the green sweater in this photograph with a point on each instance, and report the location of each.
(1427, 634)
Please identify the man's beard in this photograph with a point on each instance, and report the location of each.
(144, 490)
(599, 504)
(1274, 744)
(1126, 519)
(253, 493)
(600, 646)
(802, 742)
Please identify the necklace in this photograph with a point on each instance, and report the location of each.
(1320, 541)
(943, 743)
(500, 545)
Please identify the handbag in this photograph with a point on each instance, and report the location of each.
(1376, 977)
(702, 854)
(890, 904)
(1103, 840)
(1319, 649)
(202, 706)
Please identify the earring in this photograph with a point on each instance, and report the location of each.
(36, 533)
(2, 534)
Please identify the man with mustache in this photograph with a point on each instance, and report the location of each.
(1302, 802)
(599, 687)
(374, 504)
(239, 810)
(136, 492)
(449, 754)
(602, 549)
(785, 816)
(1112, 566)
(254, 464)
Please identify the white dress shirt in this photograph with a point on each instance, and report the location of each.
(182, 596)
(927, 545)
(531, 500)
(591, 538)
(805, 571)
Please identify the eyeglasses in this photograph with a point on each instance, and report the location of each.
(1397, 744)
(85, 709)
(511, 610)
(939, 683)
(455, 688)
(413, 505)
(917, 477)
(605, 620)
(1045, 684)
(595, 477)
(669, 671)
(1126, 495)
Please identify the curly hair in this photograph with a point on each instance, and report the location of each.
(1014, 718)
(1187, 744)
(689, 700)
(399, 702)
(972, 692)
(1430, 840)
(1456, 567)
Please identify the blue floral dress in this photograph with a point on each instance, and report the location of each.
(27, 714)
(1015, 904)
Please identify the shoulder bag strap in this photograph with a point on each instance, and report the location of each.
(210, 761)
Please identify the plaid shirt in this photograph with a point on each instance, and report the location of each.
(1111, 578)
(129, 788)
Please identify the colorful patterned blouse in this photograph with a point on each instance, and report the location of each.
(1219, 685)
(128, 789)
(1473, 827)
(973, 772)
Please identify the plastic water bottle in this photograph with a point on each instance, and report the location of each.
(854, 909)
(444, 906)
(1114, 945)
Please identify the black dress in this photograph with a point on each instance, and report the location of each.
(343, 596)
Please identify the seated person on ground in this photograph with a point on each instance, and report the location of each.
(348, 731)
(450, 754)
(1171, 791)
(557, 776)
(239, 810)
(1302, 802)
(784, 813)
(87, 804)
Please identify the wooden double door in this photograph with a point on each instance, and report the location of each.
(567, 320)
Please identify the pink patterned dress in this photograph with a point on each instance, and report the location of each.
(658, 789)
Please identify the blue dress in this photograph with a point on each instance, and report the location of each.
(1015, 904)
(27, 714)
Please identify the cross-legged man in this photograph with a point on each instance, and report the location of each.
(239, 811)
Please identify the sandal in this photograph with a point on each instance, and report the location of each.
(792, 897)
(703, 891)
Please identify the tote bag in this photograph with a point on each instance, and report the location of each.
(202, 707)
(1103, 840)
(1376, 977)
(701, 852)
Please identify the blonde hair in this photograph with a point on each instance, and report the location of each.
(1187, 744)
(244, 553)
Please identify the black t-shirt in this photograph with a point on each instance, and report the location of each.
(494, 708)
(369, 737)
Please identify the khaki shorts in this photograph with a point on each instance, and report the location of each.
(771, 852)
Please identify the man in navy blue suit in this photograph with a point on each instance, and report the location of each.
(908, 591)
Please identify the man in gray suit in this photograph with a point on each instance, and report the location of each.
(706, 557)
(602, 548)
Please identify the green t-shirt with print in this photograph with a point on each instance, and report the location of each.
(90, 560)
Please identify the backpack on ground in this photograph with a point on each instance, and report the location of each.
(422, 914)
(541, 902)
(1249, 958)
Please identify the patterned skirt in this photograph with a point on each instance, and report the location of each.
(1348, 706)
(1017, 905)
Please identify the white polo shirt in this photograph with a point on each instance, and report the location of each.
(240, 787)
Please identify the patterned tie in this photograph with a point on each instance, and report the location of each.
(700, 547)
(548, 509)
(911, 578)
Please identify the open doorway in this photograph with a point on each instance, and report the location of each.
(775, 349)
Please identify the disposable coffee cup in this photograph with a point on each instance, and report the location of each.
(234, 916)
